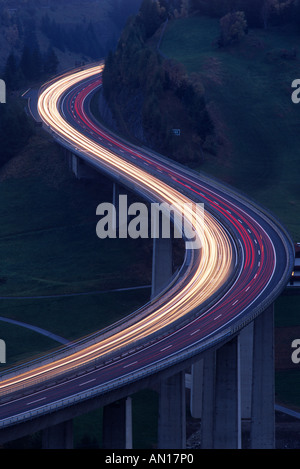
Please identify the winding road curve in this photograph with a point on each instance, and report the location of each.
(244, 263)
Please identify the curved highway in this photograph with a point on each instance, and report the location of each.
(244, 262)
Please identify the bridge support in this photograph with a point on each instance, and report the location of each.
(58, 436)
(221, 419)
(263, 385)
(162, 264)
(196, 389)
(79, 168)
(121, 221)
(117, 425)
(172, 413)
(246, 353)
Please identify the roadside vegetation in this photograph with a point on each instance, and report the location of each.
(153, 98)
(248, 92)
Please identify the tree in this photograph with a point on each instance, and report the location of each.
(152, 16)
(275, 8)
(233, 28)
(12, 75)
(50, 62)
(12, 117)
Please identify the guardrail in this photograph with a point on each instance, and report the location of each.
(117, 383)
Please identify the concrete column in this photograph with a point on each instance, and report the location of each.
(228, 405)
(172, 413)
(58, 436)
(196, 389)
(117, 425)
(208, 401)
(246, 360)
(119, 201)
(221, 417)
(162, 264)
(75, 163)
(263, 382)
(162, 256)
(68, 156)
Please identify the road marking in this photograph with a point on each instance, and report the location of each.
(87, 382)
(247, 288)
(195, 332)
(166, 348)
(38, 400)
(217, 317)
(235, 302)
(130, 364)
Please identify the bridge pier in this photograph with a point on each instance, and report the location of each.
(117, 425)
(221, 418)
(172, 413)
(196, 390)
(263, 382)
(162, 264)
(121, 226)
(246, 353)
(58, 436)
(79, 168)
(246, 365)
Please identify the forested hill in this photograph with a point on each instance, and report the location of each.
(38, 37)
(151, 97)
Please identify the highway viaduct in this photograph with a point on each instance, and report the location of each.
(228, 384)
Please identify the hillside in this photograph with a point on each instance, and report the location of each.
(153, 98)
(248, 92)
(18, 19)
